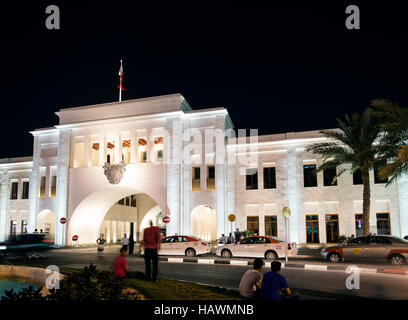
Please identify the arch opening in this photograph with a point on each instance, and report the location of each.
(46, 223)
(204, 223)
(113, 211)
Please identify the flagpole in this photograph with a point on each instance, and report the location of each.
(120, 82)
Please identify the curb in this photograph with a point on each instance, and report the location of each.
(315, 267)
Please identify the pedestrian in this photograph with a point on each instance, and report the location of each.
(223, 239)
(151, 244)
(100, 241)
(237, 235)
(120, 265)
(273, 283)
(131, 244)
(125, 242)
(36, 231)
(230, 238)
(250, 285)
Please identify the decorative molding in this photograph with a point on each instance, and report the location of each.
(114, 172)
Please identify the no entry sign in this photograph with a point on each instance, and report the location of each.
(63, 220)
(166, 219)
(74, 238)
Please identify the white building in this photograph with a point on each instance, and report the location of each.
(170, 171)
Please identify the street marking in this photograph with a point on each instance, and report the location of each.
(177, 260)
(315, 267)
(367, 270)
(239, 263)
(205, 261)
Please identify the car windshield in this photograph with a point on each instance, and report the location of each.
(398, 240)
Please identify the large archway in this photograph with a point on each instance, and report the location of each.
(204, 223)
(87, 221)
(46, 223)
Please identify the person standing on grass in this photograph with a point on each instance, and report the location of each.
(131, 244)
(151, 245)
(100, 241)
(250, 285)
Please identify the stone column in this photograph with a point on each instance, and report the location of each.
(87, 150)
(133, 148)
(33, 186)
(173, 173)
(64, 139)
(118, 148)
(114, 231)
(148, 144)
(3, 207)
(102, 150)
(108, 231)
(220, 179)
(293, 196)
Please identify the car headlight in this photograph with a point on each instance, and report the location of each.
(3, 247)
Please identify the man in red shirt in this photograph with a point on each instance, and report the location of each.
(120, 265)
(151, 244)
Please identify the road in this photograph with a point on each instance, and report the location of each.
(310, 284)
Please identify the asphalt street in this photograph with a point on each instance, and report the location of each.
(310, 284)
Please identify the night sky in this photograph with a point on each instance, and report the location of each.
(278, 68)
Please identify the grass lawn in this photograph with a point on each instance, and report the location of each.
(165, 289)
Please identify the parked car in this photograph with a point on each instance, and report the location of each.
(389, 249)
(27, 245)
(183, 245)
(267, 247)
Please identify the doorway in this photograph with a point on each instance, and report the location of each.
(312, 229)
(332, 228)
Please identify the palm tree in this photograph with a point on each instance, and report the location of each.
(353, 144)
(394, 139)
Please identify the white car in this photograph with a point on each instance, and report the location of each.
(267, 247)
(183, 245)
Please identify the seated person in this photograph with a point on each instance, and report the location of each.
(273, 283)
(120, 265)
(250, 284)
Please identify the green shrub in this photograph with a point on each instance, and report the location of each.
(86, 285)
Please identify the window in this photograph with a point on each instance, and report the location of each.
(133, 200)
(332, 227)
(262, 240)
(248, 241)
(210, 178)
(377, 178)
(42, 187)
(127, 199)
(14, 190)
(53, 187)
(360, 240)
(196, 179)
(383, 223)
(24, 226)
(357, 177)
(26, 185)
(359, 225)
(309, 175)
(252, 179)
(121, 202)
(253, 225)
(271, 226)
(269, 178)
(328, 175)
(160, 155)
(13, 226)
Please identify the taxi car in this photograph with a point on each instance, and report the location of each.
(389, 249)
(183, 245)
(267, 247)
(29, 245)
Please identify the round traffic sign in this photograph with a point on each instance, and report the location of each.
(286, 212)
(166, 219)
(63, 220)
(74, 238)
(231, 217)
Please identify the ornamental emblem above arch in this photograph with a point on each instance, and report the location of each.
(114, 172)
